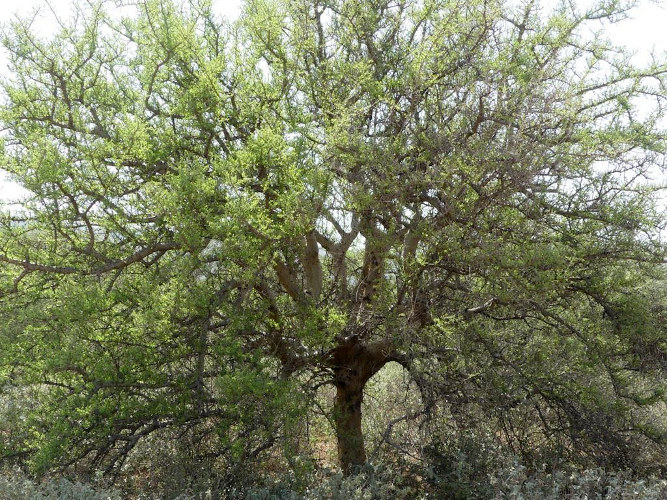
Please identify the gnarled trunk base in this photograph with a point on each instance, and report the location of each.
(354, 364)
(347, 415)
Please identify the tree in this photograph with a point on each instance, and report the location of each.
(232, 214)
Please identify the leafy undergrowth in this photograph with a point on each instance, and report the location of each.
(16, 486)
(377, 482)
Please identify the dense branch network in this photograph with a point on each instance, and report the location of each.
(327, 187)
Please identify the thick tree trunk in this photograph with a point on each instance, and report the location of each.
(354, 364)
(347, 415)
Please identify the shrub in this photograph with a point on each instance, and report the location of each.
(516, 483)
(16, 486)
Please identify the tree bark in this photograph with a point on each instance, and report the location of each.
(354, 364)
(347, 416)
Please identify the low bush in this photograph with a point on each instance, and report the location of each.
(512, 481)
(516, 483)
(16, 486)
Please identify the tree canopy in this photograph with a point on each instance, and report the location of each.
(225, 217)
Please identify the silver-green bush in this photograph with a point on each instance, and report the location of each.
(15, 486)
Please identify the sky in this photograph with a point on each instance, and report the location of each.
(644, 32)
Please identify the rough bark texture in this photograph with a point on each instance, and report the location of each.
(347, 414)
(354, 364)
